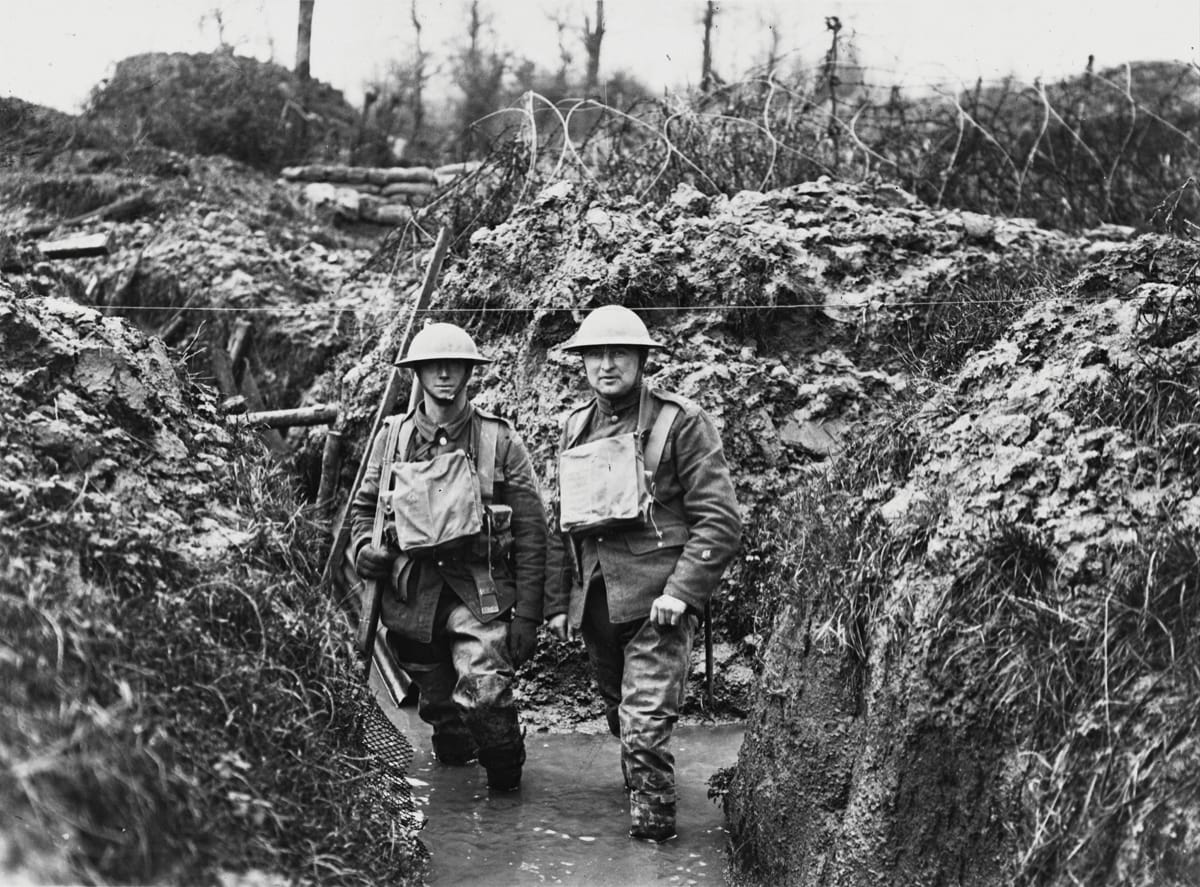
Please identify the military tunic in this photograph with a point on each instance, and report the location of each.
(607, 581)
(456, 653)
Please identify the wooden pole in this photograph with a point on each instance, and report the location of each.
(317, 414)
(218, 359)
(331, 466)
(239, 341)
(77, 247)
(123, 208)
(248, 388)
(708, 655)
(304, 40)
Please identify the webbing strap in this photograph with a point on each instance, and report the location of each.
(656, 442)
(579, 420)
(485, 459)
(395, 424)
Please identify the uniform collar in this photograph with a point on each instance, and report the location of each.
(606, 407)
(451, 430)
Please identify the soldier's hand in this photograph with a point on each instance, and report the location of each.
(522, 640)
(558, 626)
(374, 562)
(667, 611)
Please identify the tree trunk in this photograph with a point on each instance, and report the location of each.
(706, 73)
(592, 38)
(418, 97)
(304, 39)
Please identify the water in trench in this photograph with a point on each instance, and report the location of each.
(568, 823)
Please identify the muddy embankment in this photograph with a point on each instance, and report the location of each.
(787, 313)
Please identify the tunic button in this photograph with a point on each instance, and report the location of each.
(441, 563)
(599, 538)
(612, 418)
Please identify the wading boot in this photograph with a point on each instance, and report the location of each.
(454, 751)
(651, 818)
(503, 765)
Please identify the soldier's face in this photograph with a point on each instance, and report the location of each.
(611, 370)
(443, 380)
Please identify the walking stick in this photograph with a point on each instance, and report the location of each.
(708, 654)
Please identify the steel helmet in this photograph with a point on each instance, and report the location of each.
(611, 325)
(442, 341)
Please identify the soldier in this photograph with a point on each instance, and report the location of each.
(650, 521)
(463, 555)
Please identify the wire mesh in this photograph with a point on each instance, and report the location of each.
(389, 795)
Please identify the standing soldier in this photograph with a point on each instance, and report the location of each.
(650, 521)
(462, 555)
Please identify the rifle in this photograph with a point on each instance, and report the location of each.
(373, 592)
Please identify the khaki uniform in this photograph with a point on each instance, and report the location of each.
(606, 582)
(456, 654)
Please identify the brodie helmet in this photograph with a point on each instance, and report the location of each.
(611, 325)
(442, 341)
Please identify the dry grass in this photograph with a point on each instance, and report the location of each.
(178, 723)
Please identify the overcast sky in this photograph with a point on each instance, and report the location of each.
(53, 51)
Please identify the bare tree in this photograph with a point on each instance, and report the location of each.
(420, 75)
(564, 55)
(706, 69)
(592, 38)
(479, 73)
(773, 48)
(304, 40)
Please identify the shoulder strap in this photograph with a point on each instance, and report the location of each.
(656, 442)
(485, 456)
(399, 433)
(576, 423)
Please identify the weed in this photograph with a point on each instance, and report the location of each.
(1098, 682)
(214, 712)
(825, 542)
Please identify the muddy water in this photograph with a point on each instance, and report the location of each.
(568, 823)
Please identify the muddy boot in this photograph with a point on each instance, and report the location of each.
(651, 818)
(453, 750)
(503, 765)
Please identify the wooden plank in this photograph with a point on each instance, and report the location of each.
(254, 400)
(77, 247)
(218, 359)
(331, 466)
(122, 208)
(239, 343)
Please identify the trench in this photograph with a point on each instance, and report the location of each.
(568, 822)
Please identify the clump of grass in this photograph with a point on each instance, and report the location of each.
(970, 315)
(826, 543)
(214, 713)
(1097, 682)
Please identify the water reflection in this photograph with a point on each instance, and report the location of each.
(568, 823)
